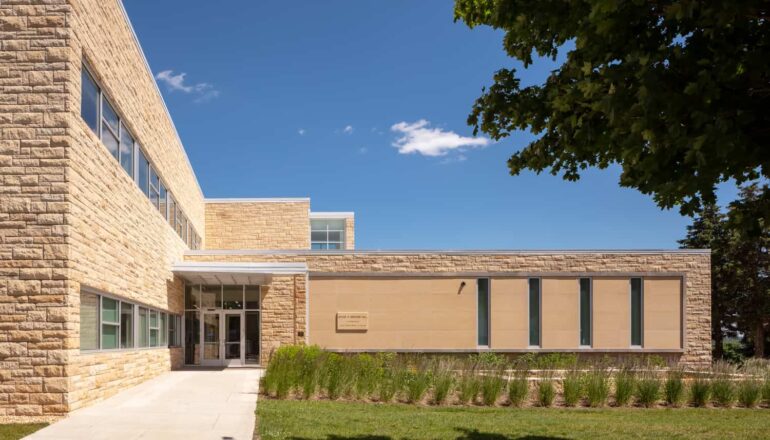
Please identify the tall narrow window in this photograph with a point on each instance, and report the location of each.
(110, 323)
(534, 312)
(585, 312)
(154, 328)
(144, 324)
(154, 188)
(110, 128)
(89, 321)
(636, 312)
(142, 172)
(163, 330)
(482, 285)
(126, 150)
(162, 207)
(126, 325)
(171, 211)
(89, 101)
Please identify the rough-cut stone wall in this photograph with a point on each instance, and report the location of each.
(694, 266)
(34, 210)
(97, 376)
(258, 224)
(350, 233)
(282, 314)
(120, 243)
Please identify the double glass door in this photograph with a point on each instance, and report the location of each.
(222, 333)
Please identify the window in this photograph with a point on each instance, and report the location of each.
(126, 325)
(89, 100)
(192, 297)
(126, 150)
(89, 321)
(142, 172)
(327, 234)
(211, 296)
(252, 297)
(154, 188)
(171, 211)
(154, 328)
(163, 330)
(110, 323)
(585, 312)
(174, 324)
(637, 299)
(110, 128)
(163, 196)
(105, 121)
(482, 287)
(232, 297)
(534, 312)
(144, 323)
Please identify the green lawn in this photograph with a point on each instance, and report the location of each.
(298, 420)
(15, 432)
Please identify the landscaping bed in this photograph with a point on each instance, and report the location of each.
(328, 420)
(309, 373)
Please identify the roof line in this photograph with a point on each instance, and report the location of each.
(447, 252)
(263, 199)
(160, 95)
(330, 214)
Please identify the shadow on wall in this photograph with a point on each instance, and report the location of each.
(464, 434)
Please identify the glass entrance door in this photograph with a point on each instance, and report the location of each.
(211, 331)
(233, 330)
(222, 336)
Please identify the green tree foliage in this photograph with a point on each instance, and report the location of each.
(675, 92)
(740, 259)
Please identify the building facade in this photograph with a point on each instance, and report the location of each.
(114, 267)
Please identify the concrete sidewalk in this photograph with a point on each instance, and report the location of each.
(186, 404)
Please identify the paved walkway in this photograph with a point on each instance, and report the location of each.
(186, 404)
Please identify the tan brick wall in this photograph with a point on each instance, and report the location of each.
(694, 267)
(258, 225)
(282, 314)
(34, 208)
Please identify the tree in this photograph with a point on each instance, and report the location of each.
(675, 92)
(709, 231)
(750, 253)
(740, 268)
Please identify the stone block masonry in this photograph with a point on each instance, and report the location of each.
(269, 224)
(35, 305)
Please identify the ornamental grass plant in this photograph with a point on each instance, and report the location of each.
(648, 388)
(700, 390)
(674, 388)
(546, 391)
(625, 383)
(572, 387)
(723, 391)
(518, 387)
(597, 386)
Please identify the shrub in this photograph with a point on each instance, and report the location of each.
(700, 391)
(625, 382)
(492, 386)
(749, 392)
(648, 389)
(545, 390)
(309, 360)
(281, 373)
(597, 387)
(468, 387)
(673, 388)
(572, 387)
(518, 387)
(335, 375)
(367, 370)
(722, 385)
(391, 382)
(443, 379)
(417, 382)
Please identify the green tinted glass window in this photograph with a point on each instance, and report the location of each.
(636, 311)
(483, 311)
(585, 312)
(534, 311)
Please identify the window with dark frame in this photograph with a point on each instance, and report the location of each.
(534, 312)
(585, 312)
(482, 285)
(637, 298)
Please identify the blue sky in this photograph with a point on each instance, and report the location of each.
(300, 99)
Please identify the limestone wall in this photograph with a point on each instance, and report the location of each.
(267, 224)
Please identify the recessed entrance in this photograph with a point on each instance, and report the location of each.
(222, 325)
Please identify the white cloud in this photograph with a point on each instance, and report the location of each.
(348, 129)
(204, 91)
(301, 131)
(420, 137)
